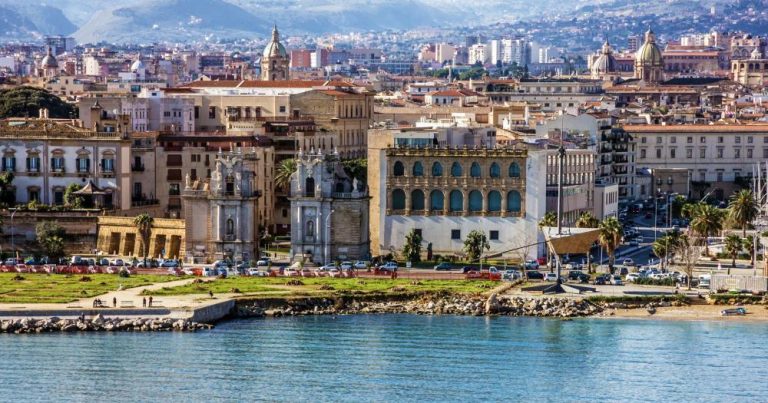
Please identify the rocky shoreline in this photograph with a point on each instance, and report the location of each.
(419, 305)
(99, 324)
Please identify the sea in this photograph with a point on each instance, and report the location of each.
(396, 358)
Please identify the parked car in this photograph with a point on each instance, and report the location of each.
(346, 266)
(531, 264)
(334, 272)
(444, 266)
(389, 266)
(169, 263)
(574, 274)
(263, 261)
(306, 272)
(534, 275)
(550, 277)
(467, 269)
(628, 262)
(290, 272)
(602, 279)
(616, 280)
(117, 262)
(623, 270)
(361, 265)
(512, 275)
(632, 277)
(255, 272)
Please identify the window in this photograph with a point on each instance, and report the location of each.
(83, 164)
(702, 139)
(9, 163)
(474, 170)
(493, 235)
(689, 153)
(108, 164)
(658, 153)
(418, 169)
(309, 187)
(720, 152)
(311, 228)
(173, 189)
(642, 140)
(167, 114)
(173, 160)
(58, 196)
(674, 140)
(749, 139)
(720, 139)
(495, 171)
(642, 154)
(436, 201)
(658, 140)
(475, 201)
(33, 163)
(437, 169)
(765, 152)
(672, 153)
(514, 170)
(737, 153)
(211, 112)
(417, 200)
(456, 201)
(749, 153)
(174, 175)
(738, 139)
(456, 170)
(513, 201)
(719, 175)
(197, 112)
(456, 234)
(398, 169)
(689, 140)
(57, 164)
(398, 199)
(282, 108)
(494, 201)
(702, 153)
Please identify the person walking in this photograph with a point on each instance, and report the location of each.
(150, 301)
(114, 302)
(210, 293)
(144, 302)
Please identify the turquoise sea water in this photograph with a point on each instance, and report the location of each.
(396, 358)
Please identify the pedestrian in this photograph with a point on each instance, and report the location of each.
(150, 301)
(210, 293)
(114, 302)
(144, 302)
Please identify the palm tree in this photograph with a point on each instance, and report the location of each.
(587, 220)
(474, 245)
(733, 245)
(549, 220)
(665, 245)
(688, 210)
(143, 223)
(610, 238)
(743, 209)
(283, 173)
(707, 221)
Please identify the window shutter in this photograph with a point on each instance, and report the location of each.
(53, 163)
(13, 163)
(29, 163)
(3, 163)
(103, 165)
(88, 164)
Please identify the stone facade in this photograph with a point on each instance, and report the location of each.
(119, 236)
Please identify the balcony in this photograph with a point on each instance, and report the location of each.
(229, 237)
(58, 171)
(137, 167)
(108, 173)
(143, 201)
(83, 172)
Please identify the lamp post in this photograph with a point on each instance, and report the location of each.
(328, 237)
(13, 240)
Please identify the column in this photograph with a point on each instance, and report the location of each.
(485, 202)
(446, 202)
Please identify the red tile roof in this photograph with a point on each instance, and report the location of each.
(264, 84)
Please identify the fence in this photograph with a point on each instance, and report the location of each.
(750, 283)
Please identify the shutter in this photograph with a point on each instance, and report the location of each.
(29, 163)
(3, 164)
(13, 163)
(88, 164)
(53, 163)
(103, 165)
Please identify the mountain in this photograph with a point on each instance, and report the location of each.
(28, 21)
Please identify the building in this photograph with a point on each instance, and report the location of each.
(275, 62)
(578, 183)
(329, 211)
(606, 200)
(47, 155)
(221, 221)
(60, 44)
(649, 63)
(605, 67)
(445, 189)
(119, 236)
(751, 72)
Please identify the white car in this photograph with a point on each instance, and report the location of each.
(628, 262)
(360, 265)
(389, 266)
(117, 262)
(531, 264)
(264, 261)
(632, 277)
(255, 272)
(290, 272)
(346, 266)
(550, 277)
(334, 272)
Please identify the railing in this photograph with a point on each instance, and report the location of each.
(137, 167)
(347, 195)
(229, 237)
(144, 202)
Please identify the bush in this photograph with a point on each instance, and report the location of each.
(124, 273)
(638, 299)
(669, 282)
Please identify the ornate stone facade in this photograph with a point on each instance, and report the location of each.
(119, 236)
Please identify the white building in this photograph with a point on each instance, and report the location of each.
(479, 53)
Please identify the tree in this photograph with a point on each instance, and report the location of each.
(412, 247)
(707, 221)
(688, 250)
(143, 223)
(549, 220)
(70, 198)
(610, 238)
(283, 173)
(51, 237)
(733, 245)
(7, 195)
(474, 244)
(743, 209)
(748, 244)
(664, 246)
(677, 206)
(27, 101)
(356, 168)
(587, 220)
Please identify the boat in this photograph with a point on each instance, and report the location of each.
(734, 312)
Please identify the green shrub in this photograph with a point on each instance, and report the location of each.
(669, 282)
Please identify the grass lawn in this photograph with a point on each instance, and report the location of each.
(59, 288)
(276, 286)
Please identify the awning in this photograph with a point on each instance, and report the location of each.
(90, 189)
(572, 240)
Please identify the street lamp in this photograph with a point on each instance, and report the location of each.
(13, 240)
(328, 237)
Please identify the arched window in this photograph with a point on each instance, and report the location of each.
(475, 201)
(398, 169)
(436, 200)
(398, 199)
(514, 170)
(418, 169)
(230, 227)
(437, 169)
(310, 228)
(474, 170)
(417, 200)
(309, 187)
(494, 201)
(457, 201)
(456, 170)
(513, 201)
(495, 171)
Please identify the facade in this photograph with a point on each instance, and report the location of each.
(751, 72)
(47, 155)
(329, 211)
(606, 200)
(119, 236)
(605, 67)
(446, 192)
(578, 183)
(275, 61)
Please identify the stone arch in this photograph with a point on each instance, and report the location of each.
(398, 199)
(398, 169)
(417, 200)
(456, 170)
(475, 171)
(456, 200)
(514, 201)
(436, 200)
(494, 201)
(475, 201)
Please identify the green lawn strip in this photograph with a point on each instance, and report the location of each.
(42, 288)
(314, 286)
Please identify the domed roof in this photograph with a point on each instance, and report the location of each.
(138, 65)
(274, 47)
(649, 53)
(49, 60)
(605, 63)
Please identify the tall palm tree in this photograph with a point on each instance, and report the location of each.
(143, 223)
(707, 221)
(743, 209)
(587, 220)
(610, 238)
(733, 244)
(688, 210)
(283, 173)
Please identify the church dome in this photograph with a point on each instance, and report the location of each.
(137, 66)
(649, 54)
(605, 63)
(50, 60)
(274, 47)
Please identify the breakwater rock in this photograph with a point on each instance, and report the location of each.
(99, 324)
(420, 304)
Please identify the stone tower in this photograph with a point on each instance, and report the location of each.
(329, 211)
(649, 63)
(275, 61)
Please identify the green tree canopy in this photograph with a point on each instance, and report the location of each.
(475, 243)
(51, 237)
(26, 102)
(412, 247)
(283, 173)
(743, 209)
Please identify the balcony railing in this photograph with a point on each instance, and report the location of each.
(137, 168)
(140, 201)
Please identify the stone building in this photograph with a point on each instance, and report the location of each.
(275, 62)
(751, 72)
(119, 236)
(220, 213)
(649, 63)
(329, 211)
